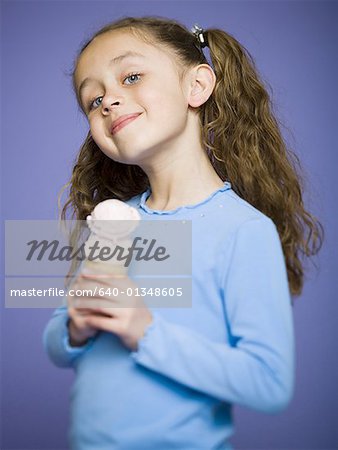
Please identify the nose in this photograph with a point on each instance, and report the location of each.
(108, 104)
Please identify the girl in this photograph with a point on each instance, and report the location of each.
(181, 139)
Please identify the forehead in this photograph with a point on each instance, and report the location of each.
(113, 44)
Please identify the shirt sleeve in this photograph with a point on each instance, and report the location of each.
(56, 340)
(256, 369)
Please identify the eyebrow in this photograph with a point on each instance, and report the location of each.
(116, 60)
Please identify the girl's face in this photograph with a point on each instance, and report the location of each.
(121, 75)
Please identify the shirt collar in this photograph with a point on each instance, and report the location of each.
(146, 195)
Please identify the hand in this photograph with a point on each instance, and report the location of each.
(126, 316)
(79, 330)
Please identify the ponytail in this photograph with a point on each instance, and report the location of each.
(246, 147)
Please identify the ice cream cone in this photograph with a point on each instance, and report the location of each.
(111, 223)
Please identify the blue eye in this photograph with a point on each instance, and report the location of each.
(92, 102)
(132, 76)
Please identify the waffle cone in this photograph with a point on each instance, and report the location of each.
(105, 269)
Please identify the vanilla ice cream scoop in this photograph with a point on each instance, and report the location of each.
(111, 224)
(113, 219)
(114, 209)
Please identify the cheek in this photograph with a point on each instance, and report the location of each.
(162, 103)
(149, 99)
(96, 130)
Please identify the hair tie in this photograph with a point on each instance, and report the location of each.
(200, 36)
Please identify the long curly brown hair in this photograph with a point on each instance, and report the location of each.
(239, 132)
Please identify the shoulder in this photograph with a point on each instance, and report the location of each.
(252, 237)
(233, 213)
(251, 245)
(238, 211)
(244, 229)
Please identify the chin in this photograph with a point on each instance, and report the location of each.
(126, 156)
(134, 148)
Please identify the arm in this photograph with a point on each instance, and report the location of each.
(56, 340)
(256, 370)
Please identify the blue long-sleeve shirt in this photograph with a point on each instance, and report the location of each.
(235, 345)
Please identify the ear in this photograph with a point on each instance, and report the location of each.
(202, 83)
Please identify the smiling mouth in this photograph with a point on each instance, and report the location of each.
(124, 123)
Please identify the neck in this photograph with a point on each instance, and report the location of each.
(181, 178)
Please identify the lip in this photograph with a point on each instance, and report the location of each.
(122, 122)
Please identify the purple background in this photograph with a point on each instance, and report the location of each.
(294, 45)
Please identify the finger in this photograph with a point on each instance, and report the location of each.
(105, 312)
(86, 311)
(78, 303)
(105, 279)
(75, 313)
(95, 302)
(103, 323)
(110, 280)
(97, 307)
(111, 303)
